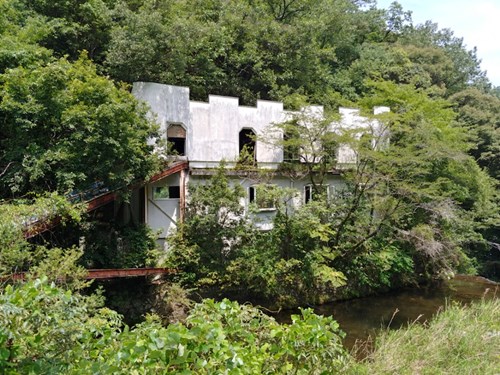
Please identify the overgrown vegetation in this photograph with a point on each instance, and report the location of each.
(423, 207)
(18, 218)
(45, 329)
(114, 246)
(48, 329)
(460, 340)
(407, 210)
(68, 121)
(65, 128)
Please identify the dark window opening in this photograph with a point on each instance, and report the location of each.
(247, 147)
(307, 193)
(178, 146)
(167, 192)
(176, 136)
(142, 205)
(316, 192)
(251, 194)
(174, 191)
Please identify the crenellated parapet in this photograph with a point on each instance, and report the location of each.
(208, 132)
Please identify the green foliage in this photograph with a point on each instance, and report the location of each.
(480, 114)
(458, 69)
(112, 246)
(460, 340)
(320, 50)
(70, 27)
(263, 49)
(64, 128)
(218, 246)
(436, 184)
(46, 329)
(61, 266)
(408, 209)
(382, 266)
(214, 225)
(20, 217)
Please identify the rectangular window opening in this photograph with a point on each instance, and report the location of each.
(178, 145)
(310, 193)
(176, 137)
(251, 194)
(307, 193)
(166, 192)
(259, 196)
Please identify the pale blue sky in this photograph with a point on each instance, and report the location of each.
(476, 21)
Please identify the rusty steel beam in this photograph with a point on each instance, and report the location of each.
(174, 168)
(100, 201)
(110, 273)
(127, 272)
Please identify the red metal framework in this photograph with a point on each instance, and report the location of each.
(110, 273)
(174, 168)
(128, 272)
(43, 225)
(100, 201)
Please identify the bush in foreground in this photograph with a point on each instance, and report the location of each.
(45, 329)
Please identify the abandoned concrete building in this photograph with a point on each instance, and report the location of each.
(202, 134)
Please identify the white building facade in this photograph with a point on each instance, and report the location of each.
(203, 134)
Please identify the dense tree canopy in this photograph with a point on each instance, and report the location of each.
(64, 127)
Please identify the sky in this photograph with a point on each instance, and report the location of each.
(476, 21)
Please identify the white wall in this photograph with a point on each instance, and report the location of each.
(213, 128)
(162, 214)
(263, 218)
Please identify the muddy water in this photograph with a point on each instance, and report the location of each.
(362, 318)
(359, 318)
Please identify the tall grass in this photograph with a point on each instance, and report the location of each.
(460, 340)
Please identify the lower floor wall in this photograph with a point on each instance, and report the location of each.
(163, 205)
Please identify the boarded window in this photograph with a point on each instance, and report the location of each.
(176, 136)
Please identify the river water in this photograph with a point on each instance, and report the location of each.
(361, 318)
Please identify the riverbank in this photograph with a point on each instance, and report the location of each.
(363, 318)
(459, 340)
(360, 317)
(39, 318)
